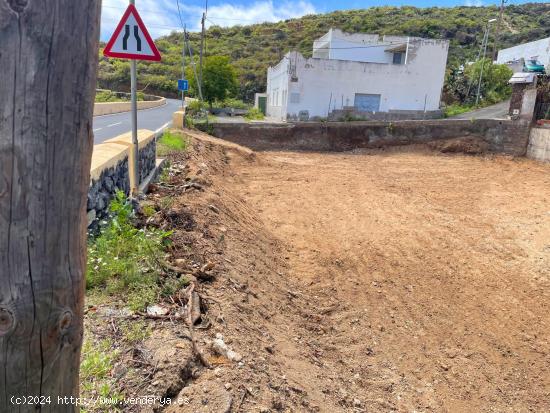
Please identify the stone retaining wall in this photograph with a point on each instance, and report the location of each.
(502, 136)
(393, 115)
(110, 170)
(108, 108)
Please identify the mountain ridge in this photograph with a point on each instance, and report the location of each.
(253, 48)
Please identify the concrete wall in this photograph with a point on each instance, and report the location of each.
(111, 167)
(539, 144)
(539, 49)
(323, 85)
(361, 47)
(501, 136)
(177, 118)
(108, 108)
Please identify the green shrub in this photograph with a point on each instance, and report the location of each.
(233, 103)
(125, 259)
(97, 363)
(195, 107)
(171, 142)
(254, 114)
(108, 96)
(457, 109)
(105, 96)
(135, 331)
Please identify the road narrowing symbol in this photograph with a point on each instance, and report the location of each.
(131, 40)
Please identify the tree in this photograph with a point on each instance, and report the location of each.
(494, 85)
(48, 64)
(219, 79)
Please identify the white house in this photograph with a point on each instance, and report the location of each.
(538, 50)
(363, 72)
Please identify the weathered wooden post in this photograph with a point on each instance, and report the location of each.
(48, 62)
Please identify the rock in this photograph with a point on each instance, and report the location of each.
(157, 310)
(357, 403)
(91, 216)
(181, 262)
(228, 386)
(219, 347)
(214, 209)
(208, 266)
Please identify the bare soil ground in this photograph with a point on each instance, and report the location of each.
(378, 281)
(436, 268)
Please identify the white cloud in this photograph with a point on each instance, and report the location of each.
(161, 16)
(259, 12)
(473, 3)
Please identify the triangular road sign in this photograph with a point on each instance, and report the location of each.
(131, 39)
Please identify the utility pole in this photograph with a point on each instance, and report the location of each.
(486, 41)
(202, 48)
(183, 75)
(183, 68)
(497, 32)
(193, 65)
(135, 144)
(46, 141)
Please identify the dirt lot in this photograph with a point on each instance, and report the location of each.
(430, 276)
(379, 281)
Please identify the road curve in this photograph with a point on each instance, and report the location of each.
(498, 111)
(109, 126)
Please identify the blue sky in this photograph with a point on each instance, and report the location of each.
(161, 16)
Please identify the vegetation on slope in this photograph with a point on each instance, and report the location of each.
(253, 48)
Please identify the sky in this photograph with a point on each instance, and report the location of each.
(161, 16)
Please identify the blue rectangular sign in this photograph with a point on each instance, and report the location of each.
(183, 85)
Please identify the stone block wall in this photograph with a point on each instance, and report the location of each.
(110, 170)
(392, 115)
(502, 136)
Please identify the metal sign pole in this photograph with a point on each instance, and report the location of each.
(183, 76)
(135, 144)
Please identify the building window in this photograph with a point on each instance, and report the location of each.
(294, 98)
(398, 58)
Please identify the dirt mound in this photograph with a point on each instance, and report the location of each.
(469, 145)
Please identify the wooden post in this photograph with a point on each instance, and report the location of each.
(48, 64)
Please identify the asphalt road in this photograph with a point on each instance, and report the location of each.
(109, 126)
(498, 111)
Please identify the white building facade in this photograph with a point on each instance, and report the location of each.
(362, 72)
(538, 50)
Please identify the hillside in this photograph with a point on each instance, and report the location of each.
(253, 48)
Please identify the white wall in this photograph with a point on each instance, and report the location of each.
(414, 86)
(356, 47)
(277, 89)
(539, 49)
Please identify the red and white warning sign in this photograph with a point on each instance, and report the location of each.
(131, 40)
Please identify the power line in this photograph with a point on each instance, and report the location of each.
(179, 14)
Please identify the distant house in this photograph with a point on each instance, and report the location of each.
(538, 50)
(361, 73)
